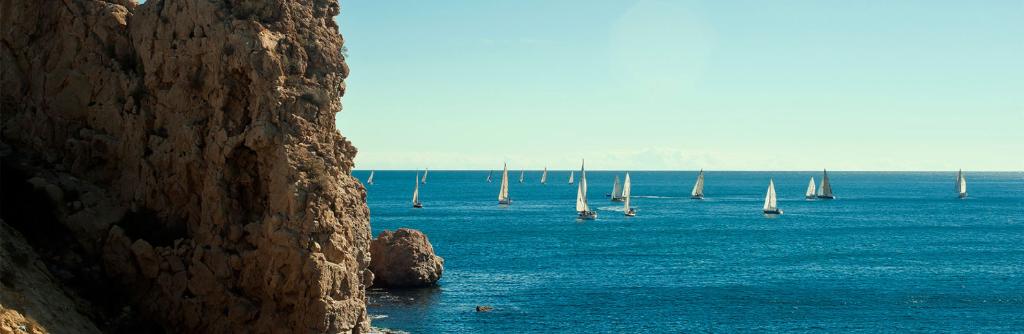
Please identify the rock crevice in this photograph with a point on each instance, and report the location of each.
(194, 145)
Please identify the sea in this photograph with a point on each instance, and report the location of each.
(893, 252)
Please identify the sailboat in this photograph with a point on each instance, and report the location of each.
(810, 190)
(825, 191)
(489, 173)
(416, 193)
(570, 177)
(961, 184)
(581, 197)
(544, 176)
(424, 180)
(616, 194)
(698, 188)
(522, 175)
(630, 212)
(369, 180)
(503, 193)
(770, 205)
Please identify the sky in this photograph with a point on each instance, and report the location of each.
(682, 85)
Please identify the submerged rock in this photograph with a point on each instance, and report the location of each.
(404, 259)
(484, 308)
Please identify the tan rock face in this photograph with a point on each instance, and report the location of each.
(219, 189)
(404, 258)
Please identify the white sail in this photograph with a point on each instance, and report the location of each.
(616, 189)
(625, 193)
(581, 191)
(424, 180)
(489, 173)
(522, 175)
(961, 184)
(544, 176)
(416, 191)
(810, 189)
(369, 180)
(698, 188)
(769, 198)
(826, 188)
(570, 176)
(503, 193)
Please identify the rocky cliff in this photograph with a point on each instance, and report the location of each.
(188, 147)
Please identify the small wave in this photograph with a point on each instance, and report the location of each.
(377, 316)
(635, 196)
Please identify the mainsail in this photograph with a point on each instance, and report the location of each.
(581, 191)
(522, 175)
(770, 204)
(698, 188)
(570, 176)
(369, 180)
(810, 189)
(825, 191)
(544, 176)
(424, 180)
(616, 189)
(961, 184)
(416, 191)
(489, 173)
(503, 193)
(625, 194)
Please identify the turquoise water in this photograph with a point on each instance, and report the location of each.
(893, 252)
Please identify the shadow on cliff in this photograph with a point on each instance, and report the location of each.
(31, 211)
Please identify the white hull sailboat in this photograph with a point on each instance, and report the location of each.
(424, 180)
(825, 191)
(416, 193)
(629, 211)
(581, 197)
(369, 180)
(503, 197)
(961, 185)
(811, 194)
(571, 177)
(522, 176)
(616, 194)
(544, 176)
(698, 188)
(770, 204)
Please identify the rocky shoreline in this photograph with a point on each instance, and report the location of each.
(181, 158)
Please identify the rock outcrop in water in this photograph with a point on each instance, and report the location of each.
(404, 258)
(188, 149)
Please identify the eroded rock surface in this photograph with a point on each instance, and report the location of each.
(191, 149)
(403, 259)
(31, 300)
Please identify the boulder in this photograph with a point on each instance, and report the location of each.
(404, 259)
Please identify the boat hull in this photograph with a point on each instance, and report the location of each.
(417, 206)
(587, 215)
(825, 197)
(962, 196)
(618, 199)
(505, 202)
(773, 212)
(631, 213)
(697, 197)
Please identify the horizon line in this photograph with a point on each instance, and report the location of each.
(695, 170)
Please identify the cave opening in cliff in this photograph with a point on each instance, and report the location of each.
(144, 224)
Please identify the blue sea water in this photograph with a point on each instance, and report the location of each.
(895, 252)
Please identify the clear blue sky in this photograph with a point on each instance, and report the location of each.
(651, 85)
